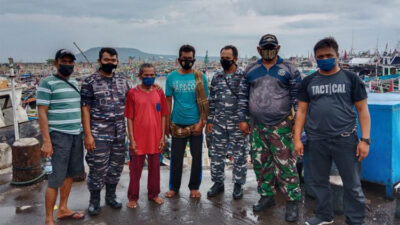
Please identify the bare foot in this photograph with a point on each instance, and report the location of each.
(131, 204)
(158, 200)
(170, 193)
(49, 221)
(195, 194)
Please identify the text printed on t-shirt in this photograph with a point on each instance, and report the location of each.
(329, 89)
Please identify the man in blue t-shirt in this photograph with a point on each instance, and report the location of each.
(326, 108)
(181, 86)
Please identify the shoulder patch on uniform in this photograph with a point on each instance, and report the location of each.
(281, 72)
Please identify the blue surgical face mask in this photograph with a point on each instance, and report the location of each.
(326, 64)
(148, 81)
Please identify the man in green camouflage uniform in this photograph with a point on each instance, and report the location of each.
(268, 95)
(274, 159)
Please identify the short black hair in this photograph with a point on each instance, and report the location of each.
(187, 48)
(110, 51)
(234, 50)
(145, 65)
(329, 42)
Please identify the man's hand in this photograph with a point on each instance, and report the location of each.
(89, 143)
(209, 128)
(47, 149)
(198, 128)
(132, 147)
(244, 127)
(168, 128)
(362, 150)
(298, 147)
(162, 145)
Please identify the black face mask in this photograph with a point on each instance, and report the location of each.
(226, 64)
(186, 63)
(66, 70)
(108, 68)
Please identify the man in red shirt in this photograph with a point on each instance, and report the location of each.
(146, 109)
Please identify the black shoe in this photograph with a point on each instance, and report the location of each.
(264, 203)
(237, 192)
(94, 203)
(292, 211)
(111, 197)
(318, 221)
(216, 189)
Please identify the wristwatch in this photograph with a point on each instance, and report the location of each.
(366, 140)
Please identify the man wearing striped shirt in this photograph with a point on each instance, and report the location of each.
(58, 101)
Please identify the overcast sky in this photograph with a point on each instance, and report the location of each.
(34, 30)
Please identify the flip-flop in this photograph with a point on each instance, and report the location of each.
(72, 216)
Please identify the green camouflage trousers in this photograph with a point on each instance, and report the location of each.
(274, 160)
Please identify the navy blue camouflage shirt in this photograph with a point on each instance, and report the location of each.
(106, 98)
(224, 93)
(268, 95)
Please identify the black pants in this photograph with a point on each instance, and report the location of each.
(177, 154)
(342, 150)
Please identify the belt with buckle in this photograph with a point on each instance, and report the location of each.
(347, 134)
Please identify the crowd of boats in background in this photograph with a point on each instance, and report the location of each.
(381, 73)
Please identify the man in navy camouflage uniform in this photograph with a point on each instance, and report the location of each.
(103, 104)
(268, 95)
(223, 125)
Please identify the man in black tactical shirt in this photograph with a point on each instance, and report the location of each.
(327, 99)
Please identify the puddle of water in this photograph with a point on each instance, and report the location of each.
(22, 198)
(24, 209)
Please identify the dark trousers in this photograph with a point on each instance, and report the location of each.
(342, 150)
(177, 153)
(153, 177)
(105, 163)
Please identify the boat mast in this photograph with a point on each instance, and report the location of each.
(352, 42)
(13, 98)
(87, 60)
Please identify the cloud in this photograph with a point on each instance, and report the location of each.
(34, 30)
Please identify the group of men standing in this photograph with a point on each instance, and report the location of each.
(98, 106)
(252, 111)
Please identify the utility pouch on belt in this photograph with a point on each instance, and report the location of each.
(202, 103)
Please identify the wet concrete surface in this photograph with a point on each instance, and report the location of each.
(25, 205)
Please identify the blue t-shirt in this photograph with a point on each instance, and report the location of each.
(182, 87)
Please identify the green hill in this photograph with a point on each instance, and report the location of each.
(123, 55)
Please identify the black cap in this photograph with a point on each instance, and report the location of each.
(268, 39)
(63, 52)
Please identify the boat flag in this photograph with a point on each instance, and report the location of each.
(391, 86)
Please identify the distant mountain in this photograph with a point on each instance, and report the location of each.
(124, 53)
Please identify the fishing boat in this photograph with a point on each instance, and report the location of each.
(27, 128)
